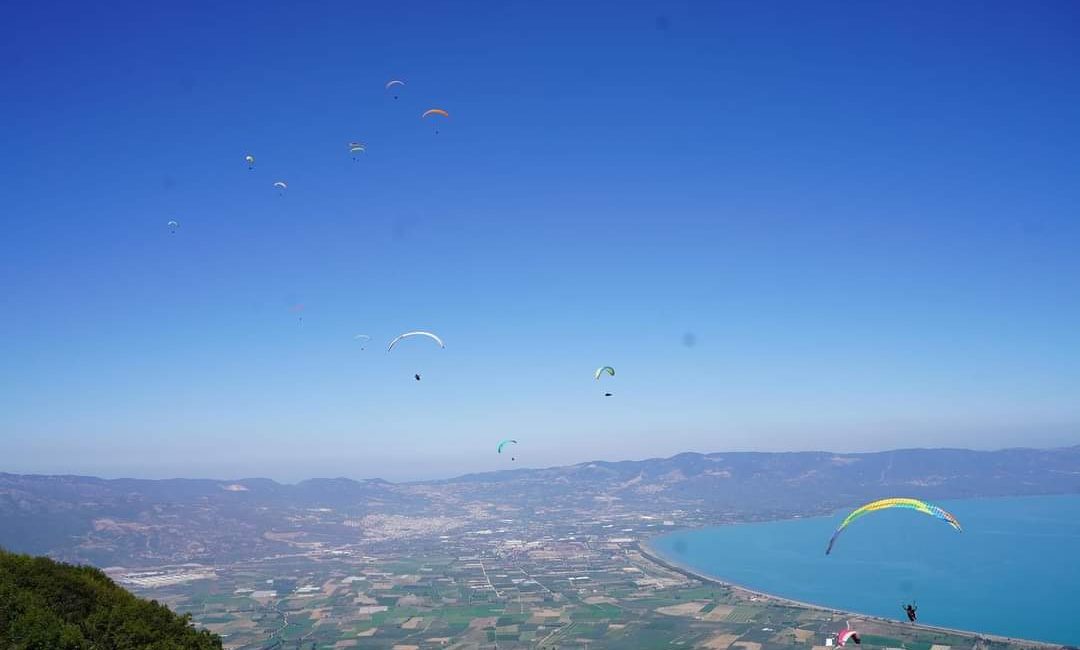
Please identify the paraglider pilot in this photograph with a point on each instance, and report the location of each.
(911, 609)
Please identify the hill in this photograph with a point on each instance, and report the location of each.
(144, 522)
(49, 605)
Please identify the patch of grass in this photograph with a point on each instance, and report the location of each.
(599, 612)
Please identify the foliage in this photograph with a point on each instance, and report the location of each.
(46, 605)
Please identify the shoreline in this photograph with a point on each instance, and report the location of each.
(646, 549)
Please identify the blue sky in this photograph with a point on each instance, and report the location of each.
(865, 212)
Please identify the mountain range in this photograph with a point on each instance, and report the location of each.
(138, 522)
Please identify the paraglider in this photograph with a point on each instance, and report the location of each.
(407, 335)
(412, 334)
(250, 160)
(433, 112)
(356, 148)
(298, 309)
(847, 634)
(882, 504)
(601, 371)
(502, 444)
(281, 187)
(173, 226)
(910, 611)
(394, 83)
(363, 338)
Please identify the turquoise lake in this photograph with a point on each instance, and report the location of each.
(1014, 571)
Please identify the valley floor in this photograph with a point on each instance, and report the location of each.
(489, 590)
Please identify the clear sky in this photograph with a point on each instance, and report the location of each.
(867, 214)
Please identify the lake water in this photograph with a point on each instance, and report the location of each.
(1014, 571)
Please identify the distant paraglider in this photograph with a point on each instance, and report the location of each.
(298, 309)
(432, 112)
(502, 444)
(250, 160)
(604, 370)
(408, 335)
(173, 225)
(356, 148)
(393, 85)
(882, 504)
(281, 187)
(363, 339)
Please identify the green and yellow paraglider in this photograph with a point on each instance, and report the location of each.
(896, 502)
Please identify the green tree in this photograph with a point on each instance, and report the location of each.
(47, 605)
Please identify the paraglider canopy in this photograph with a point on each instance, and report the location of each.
(173, 225)
(407, 335)
(281, 185)
(431, 112)
(847, 634)
(363, 338)
(604, 369)
(394, 83)
(250, 160)
(504, 443)
(895, 502)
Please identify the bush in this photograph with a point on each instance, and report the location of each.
(46, 605)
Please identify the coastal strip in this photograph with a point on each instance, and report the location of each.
(653, 555)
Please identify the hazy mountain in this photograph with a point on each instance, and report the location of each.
(132, 522)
